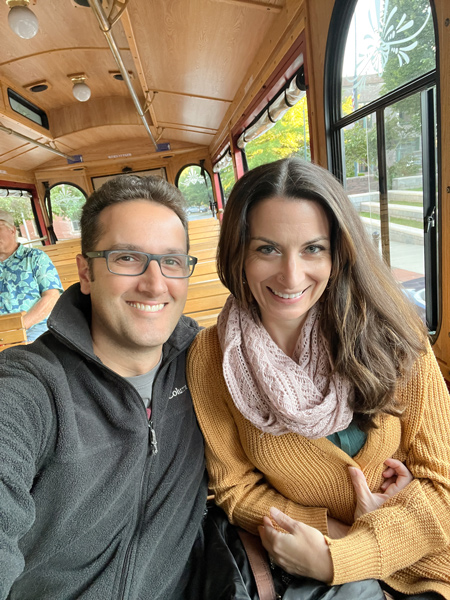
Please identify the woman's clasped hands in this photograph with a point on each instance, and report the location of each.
(302, 550)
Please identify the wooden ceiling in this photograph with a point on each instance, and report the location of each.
(187, 58)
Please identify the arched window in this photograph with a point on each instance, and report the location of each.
(195, 184)
(67, 200)
(381, 111)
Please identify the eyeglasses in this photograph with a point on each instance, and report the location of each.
(131, 264)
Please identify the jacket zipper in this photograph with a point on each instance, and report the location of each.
(153, 441)
(133, 540)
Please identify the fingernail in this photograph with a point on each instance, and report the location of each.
(274, 511)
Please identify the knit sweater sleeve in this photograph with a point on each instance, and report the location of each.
(23, 435)
(416, 521)
(239, 488)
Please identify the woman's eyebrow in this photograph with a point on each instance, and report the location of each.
(264, 239)
(273, 243)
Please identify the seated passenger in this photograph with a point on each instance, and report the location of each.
(102, 470)
(317, 374)
(28, 280)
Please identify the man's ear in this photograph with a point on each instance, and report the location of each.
(84, 274)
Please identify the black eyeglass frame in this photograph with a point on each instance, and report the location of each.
(105, 254)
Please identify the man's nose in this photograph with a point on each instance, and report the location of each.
(152, 280)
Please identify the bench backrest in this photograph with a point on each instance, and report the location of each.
(12, 330)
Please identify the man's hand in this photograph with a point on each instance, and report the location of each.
(302, 551)
(397, 477)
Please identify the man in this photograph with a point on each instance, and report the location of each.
(28, 280)
(102, 478)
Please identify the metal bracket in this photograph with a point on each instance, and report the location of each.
(430, 220)
(116, 10)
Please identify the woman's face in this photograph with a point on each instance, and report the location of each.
(288, 260)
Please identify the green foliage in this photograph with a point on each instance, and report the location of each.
(192, 185)
(67, 201)
(18, 206)
(227, 180)
(422, 58)
(288, 137)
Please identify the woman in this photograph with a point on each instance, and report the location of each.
(318, 363)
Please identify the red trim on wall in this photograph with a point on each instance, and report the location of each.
(218, 192)
(13, 185)
(239, 163)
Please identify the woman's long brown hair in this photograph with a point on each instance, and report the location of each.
(374, 332)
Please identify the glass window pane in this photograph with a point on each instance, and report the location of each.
(227, 180)
(67, 202)
(18, 202)
(288, 137)
(198, 195)
(389, 43)
(361, 173)
(405, 196)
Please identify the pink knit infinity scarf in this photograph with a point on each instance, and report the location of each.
(274, 392)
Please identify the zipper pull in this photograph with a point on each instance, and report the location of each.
(153, 442)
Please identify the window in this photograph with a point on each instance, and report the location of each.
(224, 167)
(67, 200)
(19, 203)
(281, 129)
(381, 109)
(28, 110)
(195, 184)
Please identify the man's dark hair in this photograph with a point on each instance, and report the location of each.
(126, 188)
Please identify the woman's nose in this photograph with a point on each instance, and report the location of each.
(292, 272)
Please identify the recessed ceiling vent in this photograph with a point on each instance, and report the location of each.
(39, 87)
(117, 75)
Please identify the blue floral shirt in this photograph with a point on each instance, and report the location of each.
(23, 277)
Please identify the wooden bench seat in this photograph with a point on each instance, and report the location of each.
(12, 330)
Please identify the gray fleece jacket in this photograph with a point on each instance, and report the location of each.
(88, 509)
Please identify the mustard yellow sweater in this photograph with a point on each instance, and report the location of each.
(405, 543)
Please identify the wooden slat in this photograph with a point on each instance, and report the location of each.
(211, 302)
(12, 321)
(202, 289)
(12, 337)
(12, 330)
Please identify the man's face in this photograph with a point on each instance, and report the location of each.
(8, 241)
(135, 314)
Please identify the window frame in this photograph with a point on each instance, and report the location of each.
(335, 123)
(13, 95)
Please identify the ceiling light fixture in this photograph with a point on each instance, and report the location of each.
(21, 19)
(80, 90)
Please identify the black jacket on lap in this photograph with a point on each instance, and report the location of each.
(88, 510)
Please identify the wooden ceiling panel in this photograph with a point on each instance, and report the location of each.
(195, 53)
(193, 112)
(26, 158)
(187, 136)
(196, 46)
(54, 67)
(69, 41)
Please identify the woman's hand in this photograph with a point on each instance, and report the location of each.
(302, 551)
(397, 477)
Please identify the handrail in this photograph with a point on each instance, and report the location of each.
(105, 27)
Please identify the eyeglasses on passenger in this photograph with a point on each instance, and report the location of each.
(132, 264)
